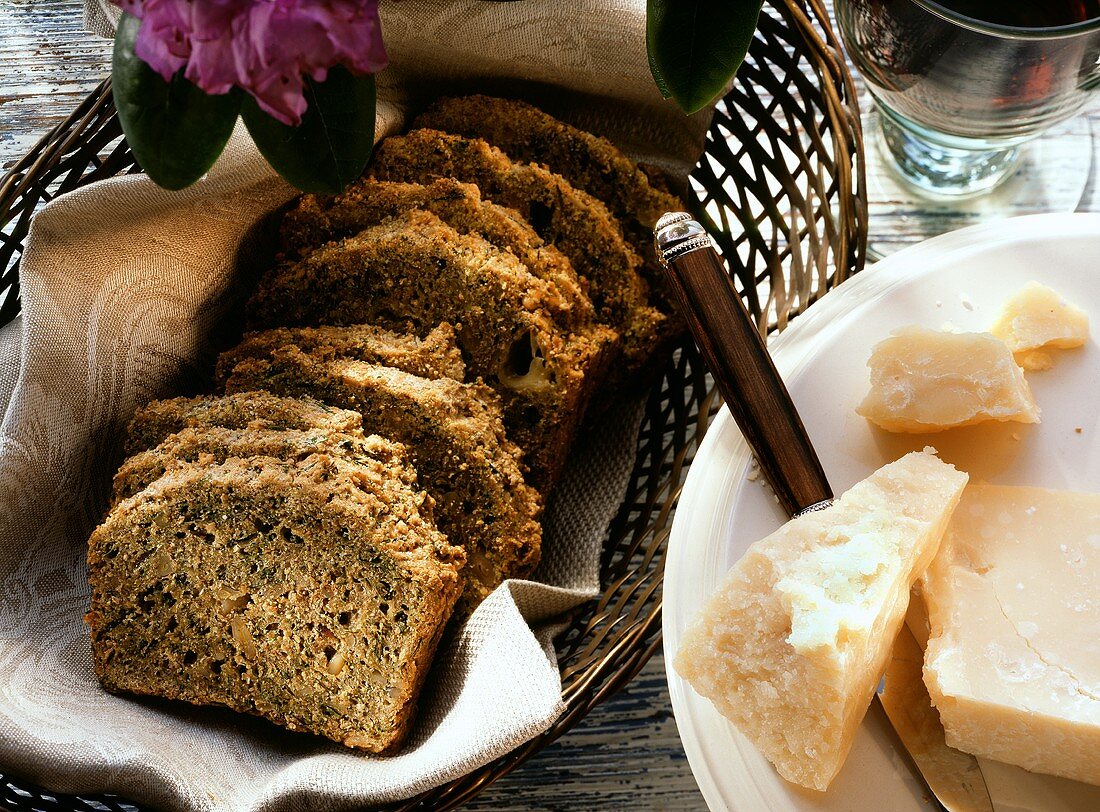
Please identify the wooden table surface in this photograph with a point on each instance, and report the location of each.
(626, 754)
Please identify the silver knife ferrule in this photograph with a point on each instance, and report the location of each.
(676, 234)
(814, 507)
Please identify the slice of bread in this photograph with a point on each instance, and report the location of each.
(455, 440)
(210, 444)
(579, 225)
(318, 220)
(416, 268)
(152, 423)
(588, 162)
(436, 355)
(310, 593)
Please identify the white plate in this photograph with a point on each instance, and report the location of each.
(962, 279)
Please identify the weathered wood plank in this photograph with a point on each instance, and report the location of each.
(47, 66)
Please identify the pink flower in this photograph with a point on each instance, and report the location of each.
(264, 47)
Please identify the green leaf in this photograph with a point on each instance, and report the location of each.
(175, 130)
(658, 78)
(332, 145)
(696, 46)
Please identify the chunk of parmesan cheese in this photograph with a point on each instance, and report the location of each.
(1013, 603)
(791, 646)
(1037, 318)
(925, 381)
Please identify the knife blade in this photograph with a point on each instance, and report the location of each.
(954, 777)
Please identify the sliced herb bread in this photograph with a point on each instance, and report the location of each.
(312, 593)
(416, 268)
(455, 440)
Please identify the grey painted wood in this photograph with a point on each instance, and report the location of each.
(47, 65)
(626, 754)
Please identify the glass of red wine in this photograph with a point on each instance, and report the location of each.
(962, 87)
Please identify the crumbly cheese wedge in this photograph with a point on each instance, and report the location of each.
(1013, 601)
(926, 380)
(791, 646)
(1037, 318)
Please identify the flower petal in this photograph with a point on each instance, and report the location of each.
(262, 46)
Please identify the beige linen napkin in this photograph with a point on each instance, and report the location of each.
(128, 291)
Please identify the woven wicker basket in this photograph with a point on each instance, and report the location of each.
(781, 187)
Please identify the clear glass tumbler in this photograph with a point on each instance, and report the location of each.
(958, 96)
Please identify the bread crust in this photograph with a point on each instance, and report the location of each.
(590, 163)
(579, 225)
(318, 220)
(160, 418)
(311, 593)
(416, 268)
(216, 444)
(436, 355)
(525, 133)
(456, 441)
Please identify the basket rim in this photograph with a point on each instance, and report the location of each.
(638, 641)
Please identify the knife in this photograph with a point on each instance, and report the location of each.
(954, 777)
(743, 370)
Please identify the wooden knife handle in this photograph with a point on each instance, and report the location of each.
(738, 359)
